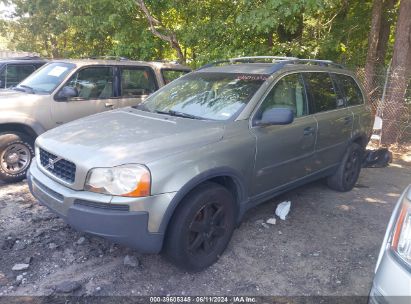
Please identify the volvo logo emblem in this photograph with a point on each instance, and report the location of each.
(52, 162)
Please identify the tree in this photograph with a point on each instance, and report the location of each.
(373, 39)
(165, 34)
(399, 76)
(377, 44)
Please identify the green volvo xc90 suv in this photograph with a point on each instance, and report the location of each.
(177, 172)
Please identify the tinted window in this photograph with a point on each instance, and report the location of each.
(352, 92)
(322, 91)
(288, 92)
(169, 75)
(2, 77)
(14, 74)
(217, 96)
(137, 82)
(93, 82)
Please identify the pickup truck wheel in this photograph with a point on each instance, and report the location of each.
(346, 176)
(201, 227)
(16, 153)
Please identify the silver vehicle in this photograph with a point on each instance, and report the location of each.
(392, 281)
(177, 172)
(64, 90)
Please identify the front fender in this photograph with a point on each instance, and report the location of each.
(201, 178)
(11, 117)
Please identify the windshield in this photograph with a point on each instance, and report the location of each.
(215, 96)
(46, 79)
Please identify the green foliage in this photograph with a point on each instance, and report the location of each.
(206, 29)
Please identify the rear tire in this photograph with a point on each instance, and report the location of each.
(201, 227)
(346, 176)
(16, 153)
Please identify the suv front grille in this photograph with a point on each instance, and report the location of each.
(61, 168)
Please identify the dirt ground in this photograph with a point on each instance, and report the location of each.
(327, 246)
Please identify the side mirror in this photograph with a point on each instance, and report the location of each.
(67, 93)
(276, 116)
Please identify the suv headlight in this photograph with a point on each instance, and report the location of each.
(126, 180)
(401, 238)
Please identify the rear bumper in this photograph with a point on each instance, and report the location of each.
(96, 214)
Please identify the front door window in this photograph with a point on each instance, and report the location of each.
(93, 83)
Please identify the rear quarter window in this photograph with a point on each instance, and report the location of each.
(137, 81)
(350, 89)
(169, 74)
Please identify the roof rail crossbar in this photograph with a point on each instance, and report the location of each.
(247, 59)
(256, 58)
(316, 61)
(274, 59)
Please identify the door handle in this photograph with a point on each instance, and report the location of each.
(308, 131)
(109, 105)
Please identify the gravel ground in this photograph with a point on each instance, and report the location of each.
(328, 245)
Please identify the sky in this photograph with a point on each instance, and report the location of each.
(5, 11)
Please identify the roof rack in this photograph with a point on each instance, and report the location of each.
(166, 61)
(255, 59)
(273, 59)
(23, 58)
(317, 62)
(119, 58)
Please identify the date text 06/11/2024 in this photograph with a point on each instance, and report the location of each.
(202, 299)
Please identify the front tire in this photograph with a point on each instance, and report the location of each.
(16, 153)
(346, 176)
(201, 227)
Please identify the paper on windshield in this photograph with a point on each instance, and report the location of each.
(57, 71)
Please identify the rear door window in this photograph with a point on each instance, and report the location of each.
(321, 91)
(351, 91)
(137, 81)
(169, 74)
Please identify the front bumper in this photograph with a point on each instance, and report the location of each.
(392, 281)
(133, 222)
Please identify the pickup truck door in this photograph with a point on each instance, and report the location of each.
(95, 87)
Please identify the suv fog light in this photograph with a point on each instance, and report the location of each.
(126, 180)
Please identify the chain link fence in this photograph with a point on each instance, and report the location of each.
(388, 101)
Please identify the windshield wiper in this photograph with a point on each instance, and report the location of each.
(180, 114)
(141, 106)
(30, 89)
(18, 89)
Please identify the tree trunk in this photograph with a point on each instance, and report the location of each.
(285, 35)
(270, 40)
(399, 76)
(168, 36)
(373, 39)
(385, 30)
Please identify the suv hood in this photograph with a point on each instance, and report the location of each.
(127, 136)
(13, 100)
